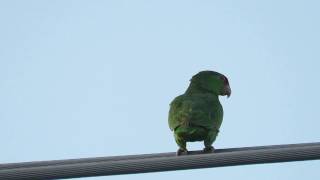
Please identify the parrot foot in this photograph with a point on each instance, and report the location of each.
(182, 152)
(208, 149)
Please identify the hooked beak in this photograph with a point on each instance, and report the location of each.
(228, 91)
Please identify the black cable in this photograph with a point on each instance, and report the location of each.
(116, 165)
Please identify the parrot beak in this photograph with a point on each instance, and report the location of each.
(228, 91)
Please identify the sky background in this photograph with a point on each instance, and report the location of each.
(95, 78)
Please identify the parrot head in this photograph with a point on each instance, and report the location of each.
(213, 82)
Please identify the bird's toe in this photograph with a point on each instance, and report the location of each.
(182, 152)
(208, 149)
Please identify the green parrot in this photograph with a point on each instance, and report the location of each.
(197, 114)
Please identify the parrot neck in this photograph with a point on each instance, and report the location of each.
(195, 89)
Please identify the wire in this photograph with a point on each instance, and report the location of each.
(116, 165)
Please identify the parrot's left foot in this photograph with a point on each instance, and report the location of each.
(208, 149)
(182, 152)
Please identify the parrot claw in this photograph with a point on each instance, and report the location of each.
(182, 152)
(209, 149)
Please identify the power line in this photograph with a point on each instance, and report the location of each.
(102, 166)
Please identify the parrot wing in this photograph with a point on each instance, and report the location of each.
(195, 110)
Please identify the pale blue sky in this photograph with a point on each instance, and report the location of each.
(95, 78)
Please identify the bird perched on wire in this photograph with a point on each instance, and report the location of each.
(197, 114)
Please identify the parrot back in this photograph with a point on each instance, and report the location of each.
(195, 110)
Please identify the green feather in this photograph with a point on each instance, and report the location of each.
(201, 109)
